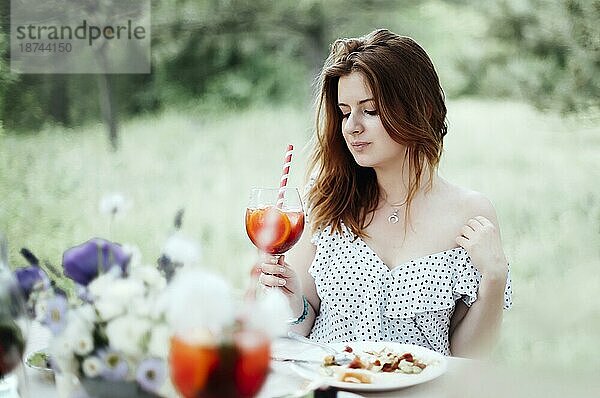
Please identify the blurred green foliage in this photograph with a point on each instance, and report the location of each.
(231, 53)
(545, 51)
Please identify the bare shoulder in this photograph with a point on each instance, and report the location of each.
(469, 203)
(477, 204)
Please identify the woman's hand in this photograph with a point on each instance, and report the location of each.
(276, 273)
(481, 239)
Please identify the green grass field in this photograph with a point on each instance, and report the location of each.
(541, 171)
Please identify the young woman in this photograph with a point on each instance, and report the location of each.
(396, 252)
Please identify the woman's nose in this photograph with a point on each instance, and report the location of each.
(352, 125)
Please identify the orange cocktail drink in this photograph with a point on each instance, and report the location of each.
(274, 230)
(231, 369)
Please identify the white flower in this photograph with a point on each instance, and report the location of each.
(120, 289)
(109, 309)
(150, 275)
(114, 204)
(182, 250)
(60, 350)
(61, 346)
(134, 253)
(92, 366)
(125, 334)
(77, 324)
(125, 290)
(199, 300)
(84, 344)
(142, 307)
(104, 282)
(114, 295)
(159, 341)
(269, 313)
(87, 313)
(161, 304)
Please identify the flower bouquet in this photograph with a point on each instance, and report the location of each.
(131, 330)
(111, 332)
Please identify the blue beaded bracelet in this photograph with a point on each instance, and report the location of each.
(302, 317)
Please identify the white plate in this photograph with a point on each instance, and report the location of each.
(436, 366)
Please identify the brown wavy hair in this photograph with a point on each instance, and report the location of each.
(410, 103)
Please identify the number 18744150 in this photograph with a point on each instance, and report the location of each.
(35, 47)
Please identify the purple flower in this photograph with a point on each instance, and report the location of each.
(115, 366)
(84, 262)
(31, 278)
(151, 374)
(56, 314)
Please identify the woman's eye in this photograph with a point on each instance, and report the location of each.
(371, 112)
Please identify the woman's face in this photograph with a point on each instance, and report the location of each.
(365, 136)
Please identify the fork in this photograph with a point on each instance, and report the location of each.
(301, 392)
(341, 357)
(320, 381)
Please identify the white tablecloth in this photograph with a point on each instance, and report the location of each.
(464, 378)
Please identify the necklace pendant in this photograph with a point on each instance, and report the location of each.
(393, 218)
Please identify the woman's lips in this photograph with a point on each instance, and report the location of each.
(360, 145)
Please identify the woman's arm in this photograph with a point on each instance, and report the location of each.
(477, 332)
(474, 331)
(291, 275)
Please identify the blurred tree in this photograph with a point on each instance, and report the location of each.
(222, 52)
(31, 101)
(546, 51)
(240, 51)
(5, 77)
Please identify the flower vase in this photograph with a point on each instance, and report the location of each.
(99, 388)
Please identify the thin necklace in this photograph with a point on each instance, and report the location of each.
(393, 218)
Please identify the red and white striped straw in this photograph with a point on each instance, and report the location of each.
(287, 160)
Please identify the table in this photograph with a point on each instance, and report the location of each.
(463, 379)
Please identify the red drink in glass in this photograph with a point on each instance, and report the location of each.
(273, 230)
(236, 369)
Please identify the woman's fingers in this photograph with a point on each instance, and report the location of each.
(462, 241)
(475, 223)
(271, 280)
(276, 273)
(273, 269)
(485, 222)
(467, 231)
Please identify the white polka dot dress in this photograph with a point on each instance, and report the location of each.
(362, 299)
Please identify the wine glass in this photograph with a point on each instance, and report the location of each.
(274, 219)
(274, 223)
(13, 325)
(234, 368)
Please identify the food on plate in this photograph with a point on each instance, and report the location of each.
(355, 377)
(383, 361)
(329, 360)
(39, 359)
